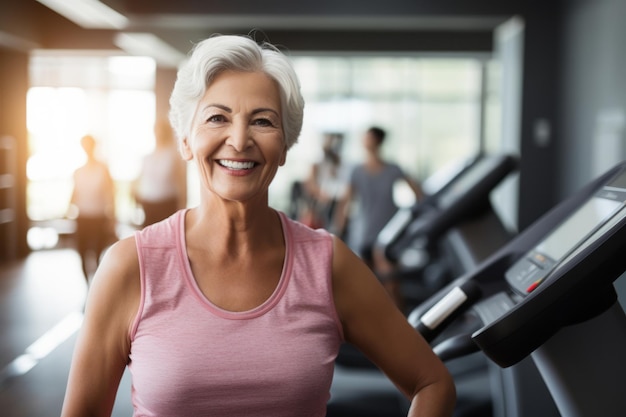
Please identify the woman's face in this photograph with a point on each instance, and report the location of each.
(236, 136)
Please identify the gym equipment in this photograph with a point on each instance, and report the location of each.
(411, 239)
(547, 296)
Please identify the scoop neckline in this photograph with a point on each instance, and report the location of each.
(257, 311)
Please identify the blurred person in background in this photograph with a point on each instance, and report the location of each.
(93, 203)
(371, 188)
(326, 184)
(161, 187)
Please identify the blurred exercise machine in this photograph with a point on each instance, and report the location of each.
(412, 239)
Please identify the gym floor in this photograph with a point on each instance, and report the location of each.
(41, 303)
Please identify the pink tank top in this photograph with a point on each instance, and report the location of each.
(191, 358)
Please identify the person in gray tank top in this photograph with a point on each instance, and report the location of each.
(371, 187)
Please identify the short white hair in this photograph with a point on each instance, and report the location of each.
(219, 53)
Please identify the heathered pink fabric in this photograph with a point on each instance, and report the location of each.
(191, 358)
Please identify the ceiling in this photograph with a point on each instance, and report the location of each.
(322, 25)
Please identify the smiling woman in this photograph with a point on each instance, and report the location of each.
(230, 307)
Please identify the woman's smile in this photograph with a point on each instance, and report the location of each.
(238, 168)
(236, 165)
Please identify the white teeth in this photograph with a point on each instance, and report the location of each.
(235, 164)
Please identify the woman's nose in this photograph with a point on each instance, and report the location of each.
(239, 137)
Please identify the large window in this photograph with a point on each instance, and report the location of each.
(109, 97)
(430, 106)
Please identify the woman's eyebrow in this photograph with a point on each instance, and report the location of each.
(219, 106)
(264, 109)
(229, 110)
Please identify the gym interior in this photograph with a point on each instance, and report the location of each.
(510, 113)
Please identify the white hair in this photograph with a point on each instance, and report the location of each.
(219, 53)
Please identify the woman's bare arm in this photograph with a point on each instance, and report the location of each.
(102, 349)
(373, 324)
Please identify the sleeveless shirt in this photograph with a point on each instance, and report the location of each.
(191, 358)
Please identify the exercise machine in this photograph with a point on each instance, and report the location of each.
(411, 239)
(548, 297)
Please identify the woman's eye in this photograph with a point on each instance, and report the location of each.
(263, 122)
(216, 118)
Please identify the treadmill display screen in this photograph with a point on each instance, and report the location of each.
(470, 179)
(568, 238)
(583, 222)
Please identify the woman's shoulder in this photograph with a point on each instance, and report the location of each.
(117, 279)
(163, 233)
(122, 257)
(301, 231)
(114, 294)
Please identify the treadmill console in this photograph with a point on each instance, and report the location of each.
(569, 238)
(466, 195)
(471, 179)
(566, 277)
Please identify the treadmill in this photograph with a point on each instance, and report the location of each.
(412, 238)
(547, 297)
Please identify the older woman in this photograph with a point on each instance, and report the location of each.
(230, 308)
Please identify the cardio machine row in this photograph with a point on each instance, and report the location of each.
(542, 307)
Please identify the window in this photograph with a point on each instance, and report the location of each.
(430, 106)
(110, 97)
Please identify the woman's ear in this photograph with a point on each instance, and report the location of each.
(185, 150)
(283, 157)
